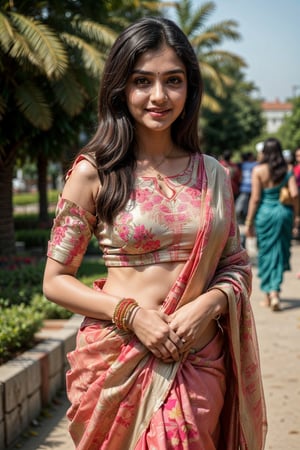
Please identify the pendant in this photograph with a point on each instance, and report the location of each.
(160, 180)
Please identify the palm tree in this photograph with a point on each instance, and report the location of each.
(205, 40)
(42, 70)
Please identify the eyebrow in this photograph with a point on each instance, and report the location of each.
(169, 72)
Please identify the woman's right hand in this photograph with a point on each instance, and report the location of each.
(152, 329)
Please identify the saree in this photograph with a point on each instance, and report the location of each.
(120, 392)
(274, 225)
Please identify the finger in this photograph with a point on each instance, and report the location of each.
(175, 339)
(172, 350)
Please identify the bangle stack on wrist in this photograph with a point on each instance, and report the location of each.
(123, 312)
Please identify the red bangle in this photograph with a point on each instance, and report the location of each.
(122, 313)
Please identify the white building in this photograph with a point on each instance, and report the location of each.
(274, 114)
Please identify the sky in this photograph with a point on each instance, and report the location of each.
(270, 42)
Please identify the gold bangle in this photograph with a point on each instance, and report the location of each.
(248, 223)
(122, 313)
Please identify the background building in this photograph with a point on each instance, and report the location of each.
(274, 114)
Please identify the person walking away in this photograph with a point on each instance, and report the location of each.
(234, 171)
(167, 354)
(242, 201)
(271, 220)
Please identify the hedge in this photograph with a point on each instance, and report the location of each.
(22, 304)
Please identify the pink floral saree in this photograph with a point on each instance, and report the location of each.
(123, 398)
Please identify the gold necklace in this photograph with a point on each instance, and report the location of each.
(155, 167)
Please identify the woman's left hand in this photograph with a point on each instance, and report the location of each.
(190, 323)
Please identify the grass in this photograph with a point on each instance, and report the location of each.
(29, 198)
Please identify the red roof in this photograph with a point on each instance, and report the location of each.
(277, 105)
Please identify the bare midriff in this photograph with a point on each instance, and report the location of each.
(149, 285)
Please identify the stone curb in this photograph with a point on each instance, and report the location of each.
(30, 381)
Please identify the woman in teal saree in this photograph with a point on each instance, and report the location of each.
(272, 220)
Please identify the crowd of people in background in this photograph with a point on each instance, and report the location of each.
(257, 181)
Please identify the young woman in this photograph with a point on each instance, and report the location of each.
(271, 220)
(167, 355)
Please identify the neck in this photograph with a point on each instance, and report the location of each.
(152, 146)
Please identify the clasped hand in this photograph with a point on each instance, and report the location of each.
(168, 337)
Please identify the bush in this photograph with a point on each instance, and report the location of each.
(30, 222)
(18, 324)
(22, 304)
(39, 238)
(20, 279)
(49, 309)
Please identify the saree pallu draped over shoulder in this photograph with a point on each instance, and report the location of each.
(123, 398)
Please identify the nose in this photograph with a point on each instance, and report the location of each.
(158, 93)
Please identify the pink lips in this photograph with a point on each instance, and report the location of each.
(158, 112)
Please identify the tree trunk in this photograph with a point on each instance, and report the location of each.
(42, 165)
(7, 228)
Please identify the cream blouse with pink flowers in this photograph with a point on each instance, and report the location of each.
(152, 228)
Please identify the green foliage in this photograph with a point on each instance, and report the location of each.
(31, 198)
(91, 270)
(289, 132)
(49, 310)
(22, 304)
(25, 222)
(38, 239)
(237, 123)
(206, 40)
(19, 281)
(18, 324)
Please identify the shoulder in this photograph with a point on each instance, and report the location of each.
(261, 168)
(84, 167)
(82, 184)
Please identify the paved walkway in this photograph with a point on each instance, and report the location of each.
(279, 338)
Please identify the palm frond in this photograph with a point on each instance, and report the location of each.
(93, 60)
(44, 43)
(21, 51)
(204, 12)
(7, 34)
(191, 20)
(225, 57)
(211, 103)
(95, 31)
(206, 39)
(214, 78)
(69, 94)
(33, 105)
(199, 17)
(226, 30)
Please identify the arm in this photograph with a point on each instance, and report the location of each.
(60, 284)
(254, 201)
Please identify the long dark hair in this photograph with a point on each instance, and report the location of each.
(273, 156)
(113, 142)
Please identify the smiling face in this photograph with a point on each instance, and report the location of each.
(156, 90)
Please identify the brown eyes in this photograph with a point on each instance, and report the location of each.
(143, 81)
